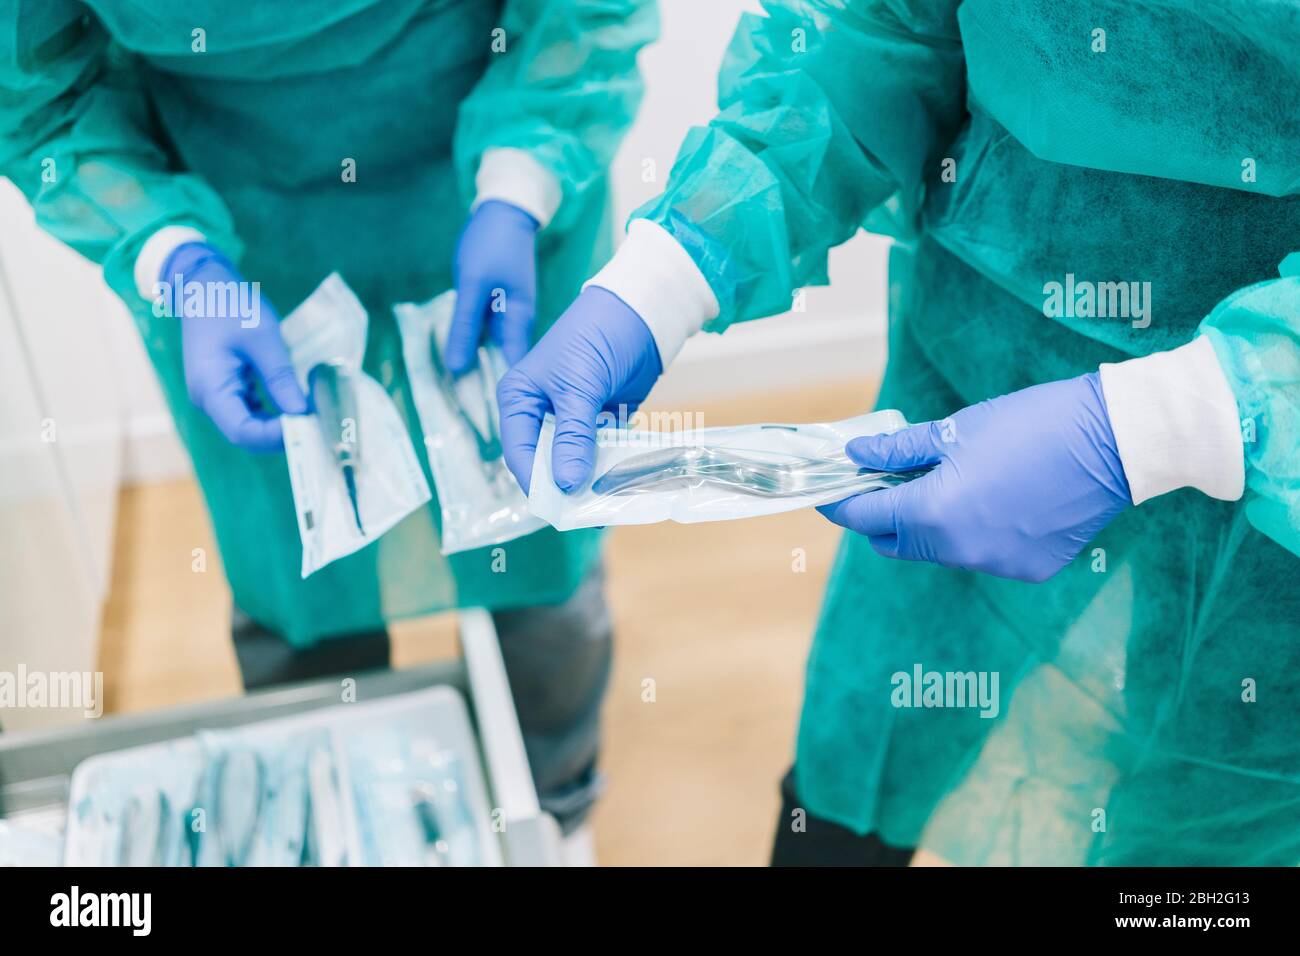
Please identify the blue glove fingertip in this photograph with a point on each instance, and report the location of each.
(904, 450)
(520, 463)
(570, 475)
(459, 355)
(461, 351)
(830, 511)
(282, 385)
(867, 451)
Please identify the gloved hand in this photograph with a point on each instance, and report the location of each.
(1021, 483)
(598, 355)
(496, 269)
(224, 351)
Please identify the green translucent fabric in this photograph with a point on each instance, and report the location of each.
(1256, 335)
(1146, 713)
(565, 94)
(247, 139)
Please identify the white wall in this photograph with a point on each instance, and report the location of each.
(841, 333)
(60, 455)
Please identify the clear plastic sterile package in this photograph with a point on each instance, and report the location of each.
(710, 474)
(482, 504)
(352, 466)
(394, 781)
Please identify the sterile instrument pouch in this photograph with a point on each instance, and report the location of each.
(710, 474)
(329, 330)
(482, 504)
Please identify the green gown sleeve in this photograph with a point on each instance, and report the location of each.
(831, 112)
(565, 89)
(1256, 336)
(77, 138)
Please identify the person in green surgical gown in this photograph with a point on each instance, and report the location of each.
(1140, 154)
(297, 139)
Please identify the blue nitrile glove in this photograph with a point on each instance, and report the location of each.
(1021, 483)
(230, 336)
(598, 355)
(496, 283)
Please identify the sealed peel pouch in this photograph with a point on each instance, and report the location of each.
(390, 782)
(482, 504)
(352, 466)
(710, 474)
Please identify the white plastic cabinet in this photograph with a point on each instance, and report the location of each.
(60, 454)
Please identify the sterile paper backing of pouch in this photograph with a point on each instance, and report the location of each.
(715, 479)
(482, 504)
(330, 326)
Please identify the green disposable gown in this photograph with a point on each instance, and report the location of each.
(304, 138)
(1148, 701)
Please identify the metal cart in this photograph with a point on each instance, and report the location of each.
(36, 767)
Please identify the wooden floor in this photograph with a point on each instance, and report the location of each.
(717, 615)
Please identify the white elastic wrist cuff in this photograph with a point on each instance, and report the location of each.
(155, 252)
(513, 176)
(1175, 423)
(660, 281)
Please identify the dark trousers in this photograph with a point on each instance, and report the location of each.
(805, 840)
